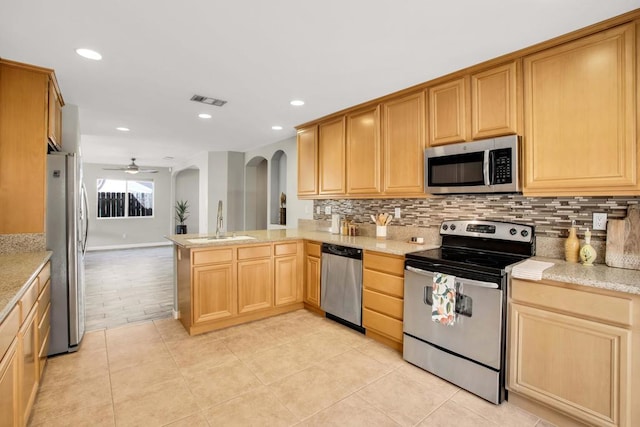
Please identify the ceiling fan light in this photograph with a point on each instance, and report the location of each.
(132, 171)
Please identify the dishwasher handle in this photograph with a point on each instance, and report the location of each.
(343, 251)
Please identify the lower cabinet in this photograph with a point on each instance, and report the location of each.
(312, 271)
(570, 350)
(229, 285)
(9, 387)
(28, 372)
(383, 297)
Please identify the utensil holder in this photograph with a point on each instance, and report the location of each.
(381, 231)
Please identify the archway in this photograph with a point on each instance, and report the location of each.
(256, 191)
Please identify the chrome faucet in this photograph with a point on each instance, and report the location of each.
(219, 220)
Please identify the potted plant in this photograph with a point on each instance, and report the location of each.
(182, 209)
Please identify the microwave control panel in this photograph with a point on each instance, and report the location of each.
(501, 162)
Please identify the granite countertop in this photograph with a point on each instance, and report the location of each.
(17, 270)
(395, 247)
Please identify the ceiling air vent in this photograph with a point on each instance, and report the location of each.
(207, 100)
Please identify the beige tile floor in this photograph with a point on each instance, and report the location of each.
(294, 369)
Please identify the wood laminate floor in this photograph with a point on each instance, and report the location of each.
(296, 369)
(128, 286)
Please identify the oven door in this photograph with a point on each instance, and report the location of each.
(477, 332)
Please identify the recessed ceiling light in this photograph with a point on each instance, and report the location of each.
(204, 116)
(89, 54)
(276, 127)
(297, 102)
(123, 129)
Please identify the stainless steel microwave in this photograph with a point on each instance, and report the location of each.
(484, 166)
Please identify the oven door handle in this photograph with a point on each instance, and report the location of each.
(464, 282)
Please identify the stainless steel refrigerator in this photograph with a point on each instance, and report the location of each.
(66, 231)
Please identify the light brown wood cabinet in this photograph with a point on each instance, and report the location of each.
(570, 350)
(331, 157)
(24, 95)
(449, 112)
(308, 161)
(312, 271)
(228, 285)
(403, 145)
(364, 153)
(383, 297)
(54, 117)
(580, 116)
(9, 387)
(288, 268)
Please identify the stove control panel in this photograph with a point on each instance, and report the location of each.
(488, 229)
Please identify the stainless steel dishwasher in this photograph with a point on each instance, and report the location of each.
(341, 285)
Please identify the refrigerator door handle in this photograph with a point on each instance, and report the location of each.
(85, 207)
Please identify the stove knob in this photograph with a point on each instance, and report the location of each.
(524, 233)
(453, 227)
(445, 227)
(513, 231)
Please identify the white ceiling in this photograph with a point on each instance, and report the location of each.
(257, 55)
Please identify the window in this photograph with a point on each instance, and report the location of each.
(119, 198)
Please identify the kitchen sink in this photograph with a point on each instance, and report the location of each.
(219, 239)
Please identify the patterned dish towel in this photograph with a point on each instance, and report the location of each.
(444, 299)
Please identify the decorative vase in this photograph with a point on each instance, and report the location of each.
(572, 245)
(283, 216)
(587, 253)
(181, 229)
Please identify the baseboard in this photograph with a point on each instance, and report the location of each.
(128, 246)
(176, 314)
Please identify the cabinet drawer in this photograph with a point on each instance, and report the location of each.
(42, 354)
(392, 264)
(383, 304)
(254, 252)
(212, 256)
(28, 300)
(596, 306)
(382, 282)
(312, 249)
(44, 276)
(286, 248)
(9, 329)
(43, 326)
(43, 299)
(383, 324)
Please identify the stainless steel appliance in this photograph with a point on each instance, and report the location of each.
(341, 285)
(66, 231)
(485, 166)
(471, 351)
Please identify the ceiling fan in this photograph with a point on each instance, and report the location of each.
(132, 168)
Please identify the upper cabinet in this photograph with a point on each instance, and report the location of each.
(308, 161)
(403, 142)
(331, 157)
(448, 112)
(364, 155)
(494, 101)
(54, 119)
(476, 105)
(25, 124)
(580, 116)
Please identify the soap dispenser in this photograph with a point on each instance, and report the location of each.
(572, 245)
(587, 253)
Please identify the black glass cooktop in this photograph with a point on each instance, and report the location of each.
(468, 259)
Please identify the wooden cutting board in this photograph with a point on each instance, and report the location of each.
(623, 240)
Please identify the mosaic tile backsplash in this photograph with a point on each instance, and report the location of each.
(551, 216)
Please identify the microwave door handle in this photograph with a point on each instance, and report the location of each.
(486, 167)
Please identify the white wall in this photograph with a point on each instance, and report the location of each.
(105, 233)
(188, 188)
(296, 208)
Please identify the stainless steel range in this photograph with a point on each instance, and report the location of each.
(459, 334)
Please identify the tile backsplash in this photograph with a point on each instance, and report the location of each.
(551, 216)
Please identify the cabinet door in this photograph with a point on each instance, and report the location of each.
(286, 280)
(9, 387)
(214, 293)
(28, 365)
(331, 157)
(312, 281)
(54, 117)
(448, 116)
(577, 366)
(308, 161)
(403, 144)
(363, 152)
(580, 116)
(255, 285)
(494, 102)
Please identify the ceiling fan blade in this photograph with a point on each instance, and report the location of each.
(114, 169)
(147, 171)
